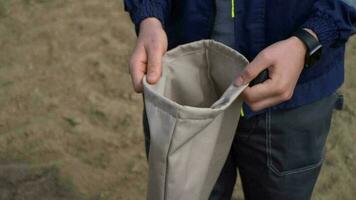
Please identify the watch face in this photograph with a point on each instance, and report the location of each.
(313, 57)
(315, 50)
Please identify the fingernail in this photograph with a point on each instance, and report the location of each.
(239, 81)
(151, 77)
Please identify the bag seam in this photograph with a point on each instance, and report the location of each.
(209, 71)
(167, 162)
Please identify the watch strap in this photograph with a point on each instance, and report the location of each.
(312, 44)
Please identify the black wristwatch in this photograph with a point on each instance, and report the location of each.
(314, 48)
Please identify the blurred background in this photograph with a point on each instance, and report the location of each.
(70, 123)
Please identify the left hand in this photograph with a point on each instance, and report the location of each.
(284, 61)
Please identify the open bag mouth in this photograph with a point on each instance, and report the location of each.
(199, 76)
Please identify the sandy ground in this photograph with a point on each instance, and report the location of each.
(70, 124)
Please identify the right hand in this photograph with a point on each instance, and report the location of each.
(147, 56)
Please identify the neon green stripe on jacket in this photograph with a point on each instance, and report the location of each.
(232, 8)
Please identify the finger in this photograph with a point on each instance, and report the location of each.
(266, 95)
(154, 64)
(269, 102)
(259, 92)
(138, 64)
(261, 62)
(266, 103)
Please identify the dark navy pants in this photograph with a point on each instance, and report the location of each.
(278, 154)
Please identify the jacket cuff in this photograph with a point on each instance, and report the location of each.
(324, 27)
(145, 10)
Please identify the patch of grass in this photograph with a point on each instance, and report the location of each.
(5, 83)
(98, 160)
(28, 2)
(4, 8)
(99, 115)
(66, 186)
(71, 121)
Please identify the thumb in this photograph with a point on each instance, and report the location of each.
(154, 65)
(138, 67)
(261, 62)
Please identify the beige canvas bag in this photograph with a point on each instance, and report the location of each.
(192, 113)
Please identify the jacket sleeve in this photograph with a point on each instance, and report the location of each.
(334, 21)
(142, 9)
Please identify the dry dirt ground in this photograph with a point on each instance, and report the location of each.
(70, 125)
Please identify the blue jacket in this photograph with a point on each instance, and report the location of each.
(260, 23)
